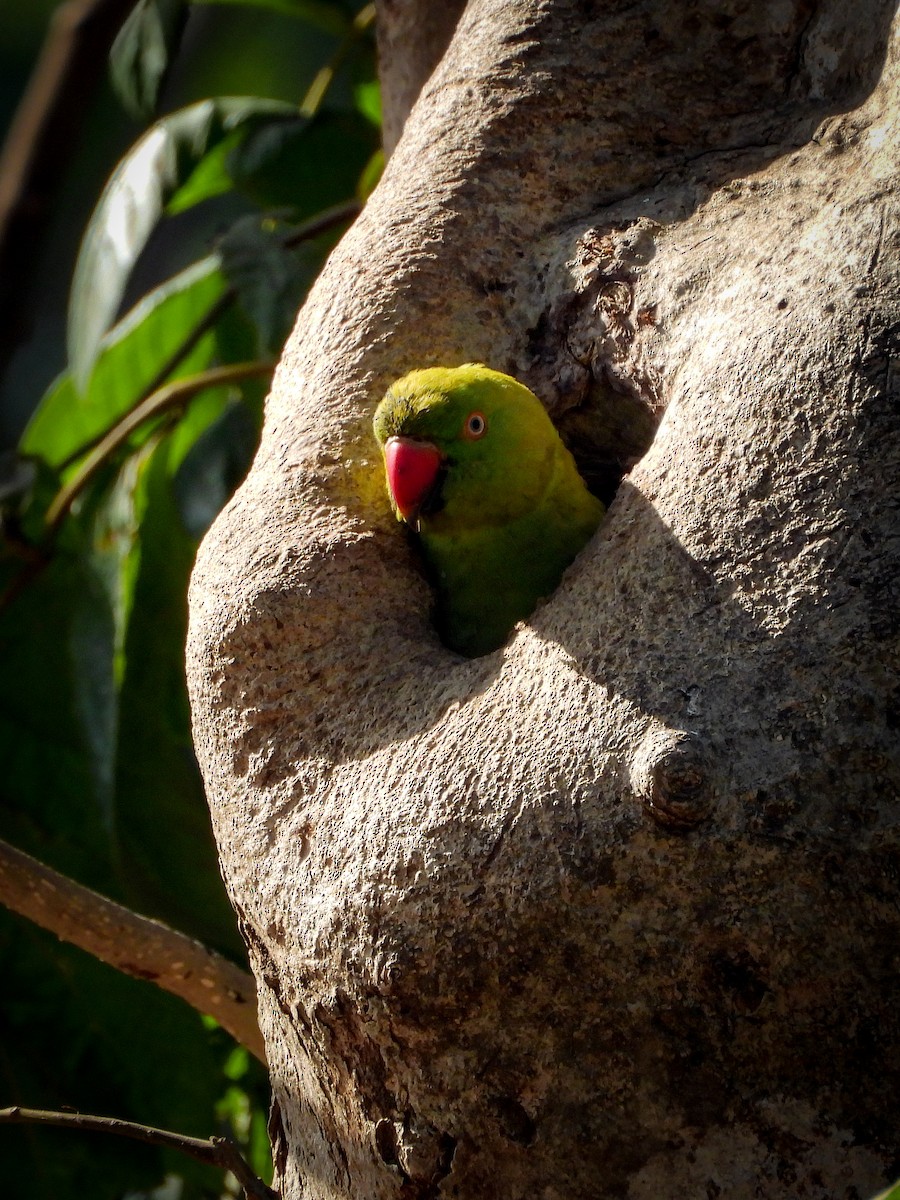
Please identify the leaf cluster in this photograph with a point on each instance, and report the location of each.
(126, 460)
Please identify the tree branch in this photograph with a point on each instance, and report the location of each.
(170, 396)
(215, 1152)
(135, 945)
(412, 36)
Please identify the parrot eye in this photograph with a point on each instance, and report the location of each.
(475, 426)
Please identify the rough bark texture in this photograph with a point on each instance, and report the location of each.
(612, 912)
(412, 37)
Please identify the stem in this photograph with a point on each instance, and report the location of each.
(215, 1151)
(309, 229)
(336, 215)
(312, 101)
(170, 396)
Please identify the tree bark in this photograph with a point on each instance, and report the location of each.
(611, 912)
(412, 37)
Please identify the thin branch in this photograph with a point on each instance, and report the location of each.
(322, 222)
(40, 141)
(310, 229)
(135, 945)
(171, 396)
(215, 1151)
(312, 101)
(154, 398)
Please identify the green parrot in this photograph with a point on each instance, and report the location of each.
(475, 466)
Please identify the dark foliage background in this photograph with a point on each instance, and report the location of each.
(201, 222)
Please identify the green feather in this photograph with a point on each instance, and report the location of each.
(513, 512)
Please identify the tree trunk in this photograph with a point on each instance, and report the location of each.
(412, 37)
(612, 912)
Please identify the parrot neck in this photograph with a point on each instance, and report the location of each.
(489, 577)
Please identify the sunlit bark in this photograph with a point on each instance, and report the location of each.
(612, 912)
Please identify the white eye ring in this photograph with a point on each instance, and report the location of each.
(475, 426)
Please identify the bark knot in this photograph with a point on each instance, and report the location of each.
(421, 1153)
(670, 774)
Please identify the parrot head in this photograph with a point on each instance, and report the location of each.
(463, 447)
(475, 466)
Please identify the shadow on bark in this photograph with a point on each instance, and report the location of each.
(613, 910)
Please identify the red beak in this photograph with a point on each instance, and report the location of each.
(412, 469)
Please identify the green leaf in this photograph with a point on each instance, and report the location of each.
(102, 615)
(131, 357)
(327, 17)
(270, 280)
(214, 466)
(211, 177)
(259, 1148)
(267, 148)
(97, 750)
(51, 806)
(140, 56)
(367, 95)
(237, 1064)
(162, 819)
(92, 653)
(893, 1193)
(134, 200)
(292, 165)
(371, 174)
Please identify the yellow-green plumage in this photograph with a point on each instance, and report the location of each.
(508, 512)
